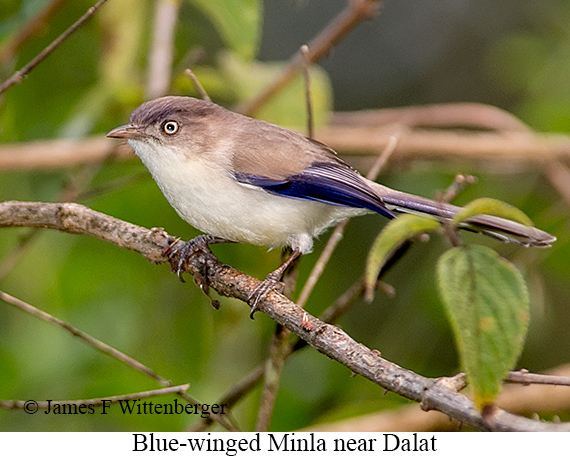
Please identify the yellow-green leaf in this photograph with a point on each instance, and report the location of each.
(237, 21)
(394, 234)
(488, 306)
(491, 207)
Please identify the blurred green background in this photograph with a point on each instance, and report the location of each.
(513, 54)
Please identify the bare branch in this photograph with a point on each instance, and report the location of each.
(75, 218)
(441, 115)
(99, 345)
(326, 338)
(198, 86)
(308, 96)
(356, 12)
(517, 399)
(93, 342)
(234, 395)
(526, 378)
(21, 404)
(459, 184)
(31, 28)
(20, 75)
(344, 302)
(59, 154)
(558, 174)
(518, 149)
(162, 49)
(279, 352)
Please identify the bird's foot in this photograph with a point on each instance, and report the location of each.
(186, 250)
(269, 284)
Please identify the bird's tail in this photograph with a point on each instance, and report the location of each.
(496, 227)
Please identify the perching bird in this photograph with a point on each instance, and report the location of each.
(245, 180)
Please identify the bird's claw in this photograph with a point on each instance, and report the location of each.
(184, 251)
(269, 284)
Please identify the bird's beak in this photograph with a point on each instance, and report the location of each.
(128, 132)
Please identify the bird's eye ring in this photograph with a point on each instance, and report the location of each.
(170, 127)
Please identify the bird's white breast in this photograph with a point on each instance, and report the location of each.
(206, 195)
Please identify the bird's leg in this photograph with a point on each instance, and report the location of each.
(185, 250)
(271, 282)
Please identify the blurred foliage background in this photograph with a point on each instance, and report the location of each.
(514, 54)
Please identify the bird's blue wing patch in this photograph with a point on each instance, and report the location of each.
(323, 182)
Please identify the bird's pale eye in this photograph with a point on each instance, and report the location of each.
(170, 127)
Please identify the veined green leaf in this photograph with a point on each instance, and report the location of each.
(488, 305)
(394, 234)
(491, 207)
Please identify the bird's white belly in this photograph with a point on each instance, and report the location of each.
(210, 199)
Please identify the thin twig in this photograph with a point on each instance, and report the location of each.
(237, 392)
(356, 12)
(102, 347)
(337, 233)
(22, 404)
(198, 86)
(20, 75)
(515, 398)
(524, 377)
(192, 57)
(11, 46)
(91, 341)
(11, 258)
(162, 48)
(344, 302)
(308, 96)
(272, 376)
(278, 353)
(322, 262)
(460, 182)
(558, 174)
(118, 183)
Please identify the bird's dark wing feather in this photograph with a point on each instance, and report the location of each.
(332, 183)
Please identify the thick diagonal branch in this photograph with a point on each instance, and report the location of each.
(330, 340)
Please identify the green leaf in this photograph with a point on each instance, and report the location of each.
(388, 240)
(488, 305)
(491, 207)
(237, 21)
